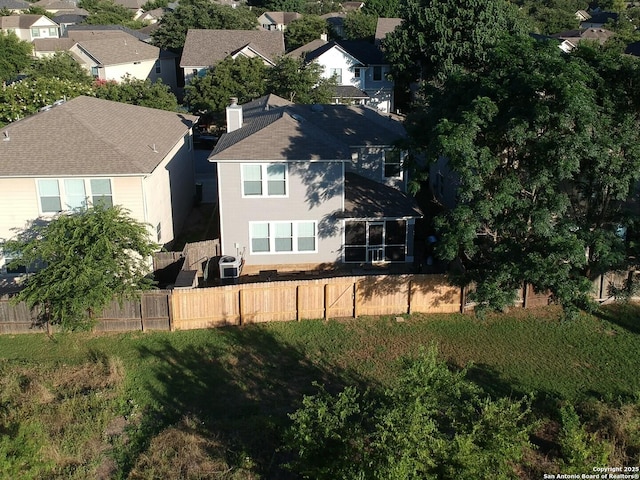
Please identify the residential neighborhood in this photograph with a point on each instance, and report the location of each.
(249, 239)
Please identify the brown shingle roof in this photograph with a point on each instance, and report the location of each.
(205, 48)
(366, 198)
(313, 45)
(52, 44)
(90, 136)
(386, 26)
(119, 49)
(20, 21)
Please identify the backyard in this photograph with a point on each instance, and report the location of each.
(215, 403)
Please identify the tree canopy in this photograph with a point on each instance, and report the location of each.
(433, 423)
(298, 82)
(134, 91)
(544, 150)
(243, 78)
(360, 26)
(438, 37)
(15, 55)
(303, 30)
(85, 259)
(60, 65)
(200, 14)
(107, 12)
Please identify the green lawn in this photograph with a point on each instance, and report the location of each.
(228, 391)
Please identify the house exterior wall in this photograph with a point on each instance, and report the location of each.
(167, 73)
(336, 58)
(45, 29)
(315, 193)
(141, 70)
(188, 72)
(369, 163)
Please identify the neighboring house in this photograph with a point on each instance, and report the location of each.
(203, 49)
(14, 6)
(384, 27)
(59, 7)
(359, 68)
(112, 55)
(89, 150)
(302, 186)
(582, 15)
(66, 20)
(570, 39)
(599, 20)
(151, 16)
(30, 27)
(277, 20)
(335, 21)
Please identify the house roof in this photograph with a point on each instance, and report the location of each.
(364, 198)
(601, 17)
(56, 4)
(75, 31)
(71, 18)
(14, 4)
(633, 49)
(386, 26)
(282, 18)
(90, 136)
(363, 51)
(349, 91)
(600, 35)
(204, 48)
(305, 132)
(119, 49)
(302, 51)
(52, 44)
(22, 21)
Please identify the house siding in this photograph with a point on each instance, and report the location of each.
(317, 199)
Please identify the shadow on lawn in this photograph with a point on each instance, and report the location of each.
(625, 315)
(241, 392)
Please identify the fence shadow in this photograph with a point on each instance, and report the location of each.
(241, 390)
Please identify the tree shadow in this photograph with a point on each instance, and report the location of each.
(623, 314)
(242, 391)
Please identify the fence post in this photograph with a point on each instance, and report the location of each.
(142, 312)
(240, 305)
(326, 302)
(298, 303)
(463, 299)
(170, 308)
(409, 294)
(356, 307)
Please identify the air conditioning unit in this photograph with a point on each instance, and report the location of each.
(230, 267)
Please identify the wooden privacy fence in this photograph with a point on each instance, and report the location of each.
(308, 299)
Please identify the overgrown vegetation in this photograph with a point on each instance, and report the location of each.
(216, 403)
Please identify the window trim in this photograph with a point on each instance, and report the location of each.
(373, 73)
(265, 180)
(295, 237)
(370, 246)
(401, 155)
(337, 72)
(62, 193)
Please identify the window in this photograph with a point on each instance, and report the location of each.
(283, 237)
(264, 180)
(375, 241)
(35, 32)
(94, 72)
(10, 256)
(337, 73)
(356, 72)
(73, 193)
(392, 164)
(101, 192)
(158, 67)
(53, 32)
(377, 74)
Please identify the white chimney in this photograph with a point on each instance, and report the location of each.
(234, 115)
(324, 36)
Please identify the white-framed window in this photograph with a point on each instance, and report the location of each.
(264, 180)
(57, 195)
(158, 67)
(283, 237)
(356, 72)
(35, 32)
(53, 32)
(377, 73)
(337, 73)
(94, 72)
(392, 163)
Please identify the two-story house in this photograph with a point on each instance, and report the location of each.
(89, 150)
(203, 49)
(30, 27)
(359, 68)
(277, 20)
(302, 186)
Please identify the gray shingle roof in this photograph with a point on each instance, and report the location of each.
(302, 51)
(75, 31)
(14, 4)
(365, 198)
(299, 132)
(205, 48)
(20, 21)
(349, 91)
(119, 49)
(90, 136)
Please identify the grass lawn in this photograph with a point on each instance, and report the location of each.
(221, 397)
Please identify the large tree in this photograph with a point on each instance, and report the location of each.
(107, 12)
(545, 151)
(432, 424)
(84, 259)
(303, 30)
(60, 65)
(243, 78)
(438, 37)
(200, 14)
(15, 55)
(360, 26)
(134, 91)
(298, 82)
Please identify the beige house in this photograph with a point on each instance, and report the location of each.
(30, 27)
(89, 150)
(205, 48)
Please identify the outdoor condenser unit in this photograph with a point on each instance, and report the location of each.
(230, 267)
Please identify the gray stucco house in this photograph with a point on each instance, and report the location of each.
(305, 186)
